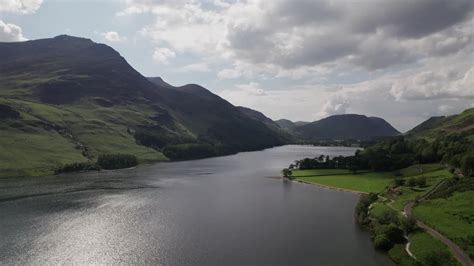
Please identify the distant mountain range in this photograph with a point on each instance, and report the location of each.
(69, 99)
(340, 127)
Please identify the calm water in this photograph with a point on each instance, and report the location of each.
(219, 211)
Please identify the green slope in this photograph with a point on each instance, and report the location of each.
(443, 126)
(68, 99)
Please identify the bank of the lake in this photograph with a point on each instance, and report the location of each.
(421, 246)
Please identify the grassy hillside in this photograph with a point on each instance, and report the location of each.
(46, 136)
(68, 99)
(434, 127)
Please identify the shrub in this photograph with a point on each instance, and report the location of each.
(287, 173)
(408, 224)
(399, 182)
(77, 167)
(117, 161)
(388, 217)
(362, 207)
(411, 182)
(421, 181)
(382, 242)
(467, 165)
(392, 232)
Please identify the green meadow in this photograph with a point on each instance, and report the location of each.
(452, 216)
(363, 182)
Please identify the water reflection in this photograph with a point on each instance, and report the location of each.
(219, 211)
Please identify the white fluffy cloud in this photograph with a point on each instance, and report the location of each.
(392, 57)
(20, 6)
(10, 33)
(281, 36)
(113, 36)
(162, 55)
(444, 84)
(196, 67)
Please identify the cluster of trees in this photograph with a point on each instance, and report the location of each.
(288, 173)
(411, 182)
(388, 228)
(190, 151)
(77, 167)
(339, 143)
(106, 161)
(362, 208)
(400, 152)
(117, 161)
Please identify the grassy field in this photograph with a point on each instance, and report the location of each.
(363, 182)
(400, 257)
(452, 216)
(410, 194)
(319, 172)
(420, 169)
(423, 245)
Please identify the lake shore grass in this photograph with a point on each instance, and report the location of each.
(342, 179)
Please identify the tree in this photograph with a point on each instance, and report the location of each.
(467, 165)
(412, 182)
(382, 242)
(353, 168)
(421, 181)
(287, 173)
(399, 181)
(388, 217)
(394, 233)
(409, 225)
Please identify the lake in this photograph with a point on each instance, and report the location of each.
(219, 211)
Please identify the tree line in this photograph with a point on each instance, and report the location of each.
(393, 154)
(105, 161)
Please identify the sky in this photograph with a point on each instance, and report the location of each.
(303, 60)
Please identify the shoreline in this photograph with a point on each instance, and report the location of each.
(330, 187)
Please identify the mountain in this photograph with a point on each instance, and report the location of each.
(69, 99)
(434, 127)
(289, 125)
(285, 124)
(256, 115)
(301, 123)
(348, 126)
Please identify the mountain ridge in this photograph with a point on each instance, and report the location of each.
(346, 126)
(70, 99)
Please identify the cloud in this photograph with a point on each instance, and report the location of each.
(335, 105)
(113, 36)
(10, 33)
(400, 60)
(161, 55)
(277, 103)
(197, 67)
(282, 37)
(20, 6)
(443, 84)
(228, 73)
